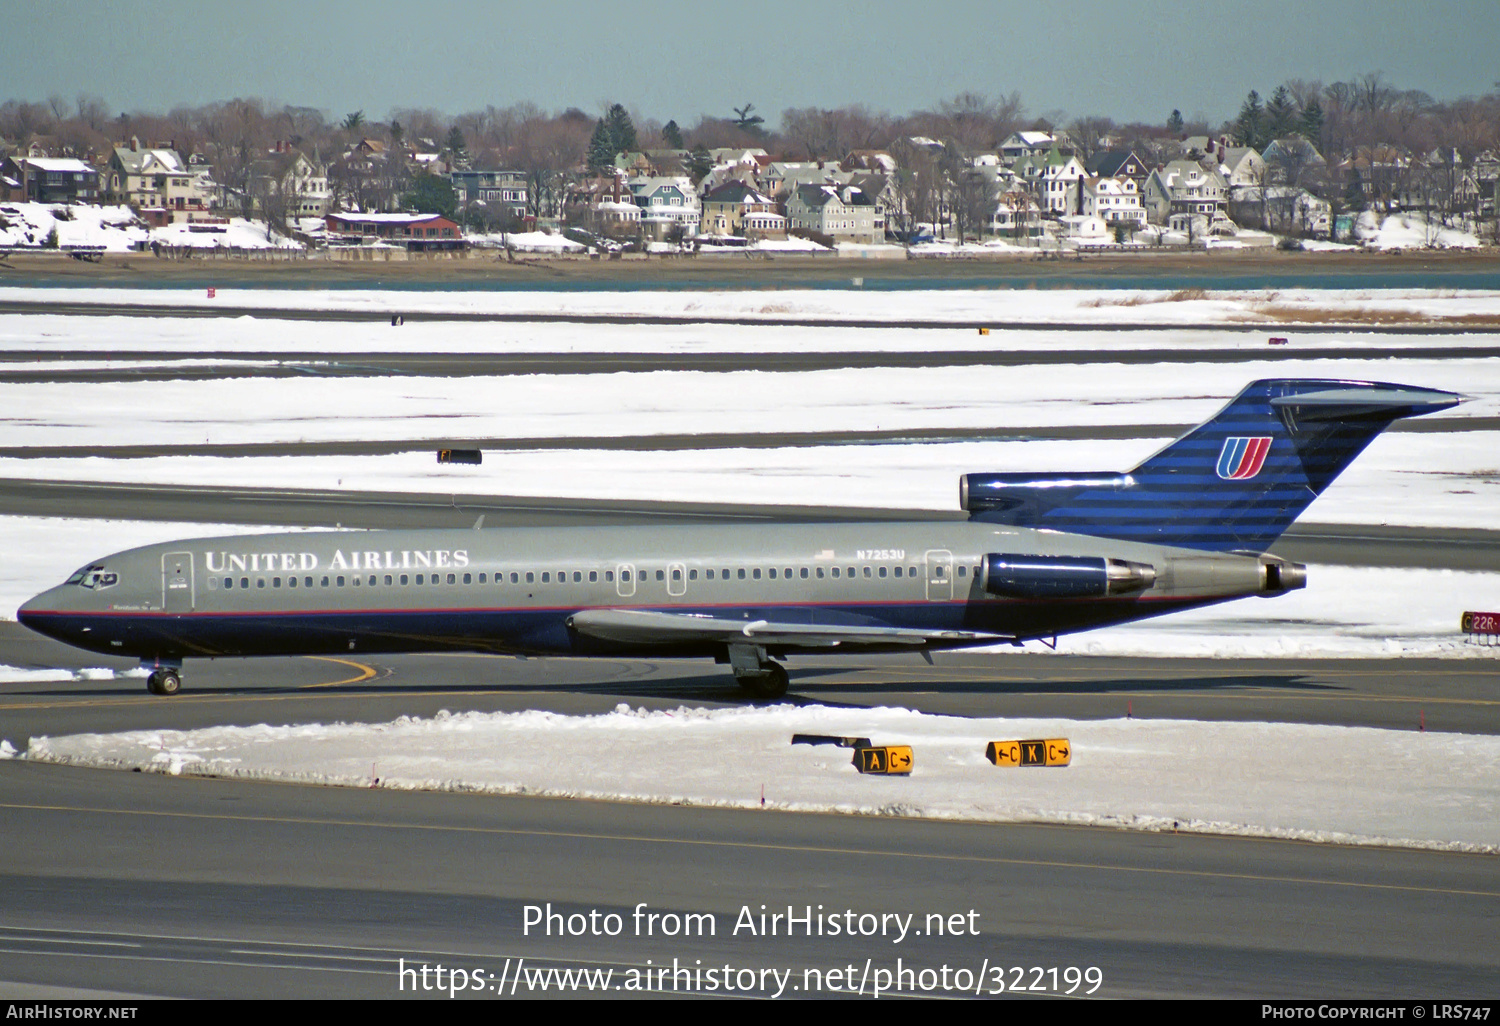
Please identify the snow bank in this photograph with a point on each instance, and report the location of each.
(1422, 790)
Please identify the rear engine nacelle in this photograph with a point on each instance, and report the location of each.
(1015, 575)
(1277, 577)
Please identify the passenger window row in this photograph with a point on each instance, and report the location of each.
(577, 576)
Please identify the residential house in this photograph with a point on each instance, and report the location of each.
(157, 184)
(502, 193)
(1185, 187)
(1118, 164)
(1280, 208)
(1485, 172)
(843, 213)
(780, 178)
(1017, 216)
(1241, 165)
(368, 177)
(1054, 178)
(12, 183)
(1377, 171)
(739, 209)
(669, 206)
(1115, 201)
(1026, 144)
(414, 232)
(48, 180)
(878, 161)
(603, 204)
(653, 163)
(1084, 228)
(1293, 161)
(289, 181)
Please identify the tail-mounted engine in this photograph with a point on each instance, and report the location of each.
(1015, 575)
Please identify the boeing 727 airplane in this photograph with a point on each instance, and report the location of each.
(1040, 555)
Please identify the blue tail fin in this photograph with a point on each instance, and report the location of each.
(1233, 484)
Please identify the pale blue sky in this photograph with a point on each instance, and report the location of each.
(678, 60)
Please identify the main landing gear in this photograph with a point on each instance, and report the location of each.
(756, 673)
(164, 679)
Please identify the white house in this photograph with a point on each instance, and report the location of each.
(1053, 178)
(1114, 200)
(1016, 216)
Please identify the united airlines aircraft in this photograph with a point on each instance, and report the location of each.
(1040, 555)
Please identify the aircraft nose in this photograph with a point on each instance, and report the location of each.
(29, 613)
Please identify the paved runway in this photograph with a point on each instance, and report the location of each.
(155, 365)
(168, 308)
(149, 884)
(146, 884)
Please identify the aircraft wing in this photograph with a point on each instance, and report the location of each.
(648, 627)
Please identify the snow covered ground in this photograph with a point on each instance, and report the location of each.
(527, 242)
(1410, 231)
(1446, 479)
(1277, 780)
(118, 229)
(39, 334)
(1254, 779)
(959, 307)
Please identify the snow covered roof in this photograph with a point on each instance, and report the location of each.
(388, 218)
(69, 164)
(138, 161)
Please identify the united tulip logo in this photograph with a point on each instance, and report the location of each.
(1242, 458)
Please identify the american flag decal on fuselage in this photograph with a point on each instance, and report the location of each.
(1242, 458)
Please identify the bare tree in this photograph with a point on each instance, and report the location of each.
(1088, 135)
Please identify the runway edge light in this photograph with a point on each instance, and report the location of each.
(1057, 751)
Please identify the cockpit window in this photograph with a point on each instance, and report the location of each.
(94, 577)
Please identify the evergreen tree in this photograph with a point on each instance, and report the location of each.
(699, 163)
(1281, 114)
(747, 122)
(354, 122)
(1310, 122)
(1174, 122)
(1248, 127)
(672, 135)
(397, 133)
(601, 148)
(456, 145)
(431, 194)
(621, 130)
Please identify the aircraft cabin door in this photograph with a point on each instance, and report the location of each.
(676, 579)
(939, 575)
(177, 582)
(624, 580)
